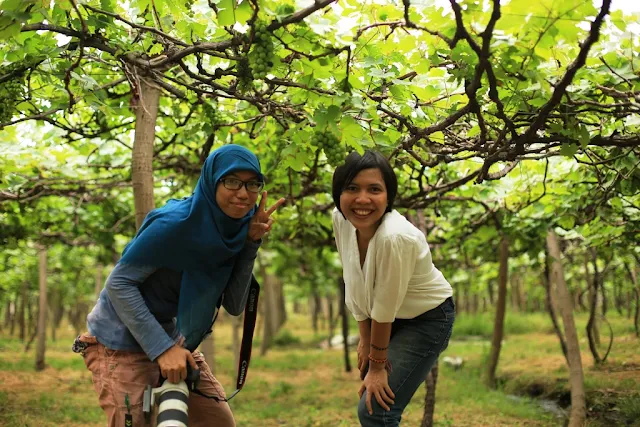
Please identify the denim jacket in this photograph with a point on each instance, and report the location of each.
(137, 308)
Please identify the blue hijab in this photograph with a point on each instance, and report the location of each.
(196, 237)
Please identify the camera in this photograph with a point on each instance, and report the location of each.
(171, 399)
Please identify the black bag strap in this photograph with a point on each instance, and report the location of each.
(250, 316)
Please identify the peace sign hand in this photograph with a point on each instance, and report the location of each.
(261, 222)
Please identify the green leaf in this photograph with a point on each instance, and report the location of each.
(584, 136)
(399, 93)
(106, 5)
(569, 149)
(567, 222)
(536, 102)
(333, 112)
(244, 12)
(324, 118)
(9, 27)
(156, 49)
(226, 14)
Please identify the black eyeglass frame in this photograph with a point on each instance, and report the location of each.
(245, 183)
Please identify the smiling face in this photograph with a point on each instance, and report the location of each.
(364, 201)
(237, 203)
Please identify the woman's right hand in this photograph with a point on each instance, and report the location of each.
(363, 358)
(173, 363)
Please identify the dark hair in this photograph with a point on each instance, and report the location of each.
(353, 164)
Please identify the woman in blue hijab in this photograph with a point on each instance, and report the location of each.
(159, 302)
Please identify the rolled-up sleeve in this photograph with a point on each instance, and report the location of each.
(336, 227)
(122, 288)
(358, 314)
(395, 263)
(237, 290)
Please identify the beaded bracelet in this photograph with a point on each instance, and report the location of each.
(374, 360)
(375, 347)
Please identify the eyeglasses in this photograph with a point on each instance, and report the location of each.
(236, 184)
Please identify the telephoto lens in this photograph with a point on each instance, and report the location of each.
(172, 405)
(173, 409)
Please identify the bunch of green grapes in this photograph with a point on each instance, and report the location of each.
(189, 5)
(11, 91)
(261, 51)
(212, 113)
(331, 146)
(245, 77)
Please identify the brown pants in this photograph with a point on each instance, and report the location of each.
(120, 377)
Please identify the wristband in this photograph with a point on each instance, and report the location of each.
(375, 347)
(374, 360)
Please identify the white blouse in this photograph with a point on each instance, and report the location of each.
(398, 278)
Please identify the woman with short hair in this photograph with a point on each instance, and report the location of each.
(402, 302)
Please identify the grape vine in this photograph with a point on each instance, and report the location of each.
(11, 91)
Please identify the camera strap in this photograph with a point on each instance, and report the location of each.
(250, 316)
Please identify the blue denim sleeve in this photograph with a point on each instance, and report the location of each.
(122, 288)
(237, 290)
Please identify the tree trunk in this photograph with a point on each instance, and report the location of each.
(7, 314)
(42, 315)
(56, 309)
(278, 315)
(267, 335)
(77, 315)
(592, 286)
(617, 296)
(22, 320)
(208, 350)
(345, 325)
(315, 309)
(547, 280)
(273, 314)
(636, 318)
(491, 293)
(282, 305)
(33, 316)
(498, 326)
(468, 306)
(12, 314)
(430, 397)
(592, 331)
(633, 274)
(580, 298)
(578, 402)
(577, 296)
(142, 160)
(605, 303)
(332, 323)
(516, 299)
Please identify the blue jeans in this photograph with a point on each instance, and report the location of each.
(413, 349)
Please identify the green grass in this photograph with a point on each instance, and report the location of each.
(481, 324)
(299, 384)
